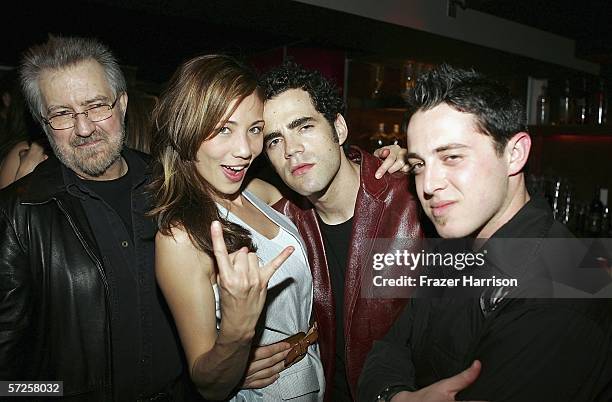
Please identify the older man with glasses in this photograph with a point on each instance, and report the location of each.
(78, 299)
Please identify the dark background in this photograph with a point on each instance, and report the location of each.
(151, 37)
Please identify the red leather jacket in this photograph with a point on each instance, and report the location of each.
(384, 209)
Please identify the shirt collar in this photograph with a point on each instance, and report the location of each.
(519, 241)
(136, 166)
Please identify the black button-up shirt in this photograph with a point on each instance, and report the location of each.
(531, 349)
(145, 351)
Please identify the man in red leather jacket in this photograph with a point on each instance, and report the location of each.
(342, 209)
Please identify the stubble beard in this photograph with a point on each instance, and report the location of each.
(93, 161)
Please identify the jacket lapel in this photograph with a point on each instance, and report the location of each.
(364, 229)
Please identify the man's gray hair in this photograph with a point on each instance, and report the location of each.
(61, 52)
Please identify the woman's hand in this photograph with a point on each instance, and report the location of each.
(29, 159)
(243, 286)
(20, 161)
(394, 160)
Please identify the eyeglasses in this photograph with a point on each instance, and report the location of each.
(65, 120)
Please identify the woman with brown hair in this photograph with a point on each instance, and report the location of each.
(222, 254)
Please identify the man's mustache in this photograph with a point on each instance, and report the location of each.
(96, 136)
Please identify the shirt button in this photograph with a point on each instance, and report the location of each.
(124, 244)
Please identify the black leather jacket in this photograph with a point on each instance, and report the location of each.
(54, 313)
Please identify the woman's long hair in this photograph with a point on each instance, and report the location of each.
(189, 111)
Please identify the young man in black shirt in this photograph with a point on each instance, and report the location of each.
(467, 148)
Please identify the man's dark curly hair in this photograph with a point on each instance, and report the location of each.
(497, 113)
(323, 94)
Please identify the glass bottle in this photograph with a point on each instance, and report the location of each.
(606, 222)
(595, 215)
(579, 220)
(605, 215)
(565, 105)
(567, 206)
(543, 112)
(555, 196)
(599, 104)
(582, 110)
(379, 75)
(408, 80)
(397, 137)
(379, 138)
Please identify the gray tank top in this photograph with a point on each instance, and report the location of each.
(288, 309)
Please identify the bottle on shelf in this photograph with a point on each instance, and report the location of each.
(579, 220)
(397, 137)
(599, 104)
(606, 223)
(566, 207)
(543, 111)
(555, 196)
(595, 214)
(409, 77)
(582, 108)
(566, 105)
(605, 215)
(379, 75)
(379, 138)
